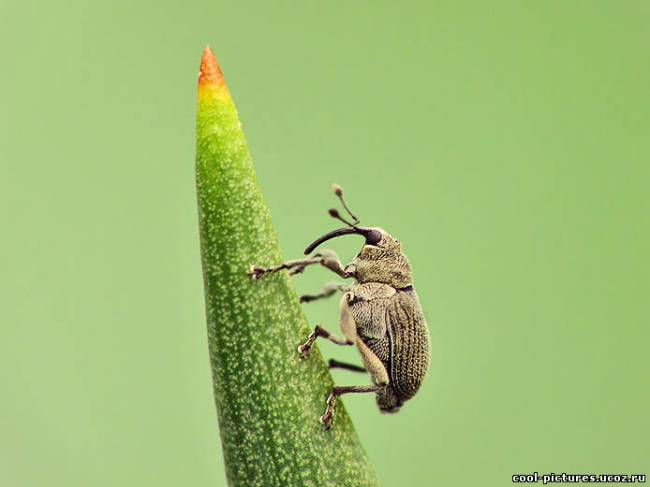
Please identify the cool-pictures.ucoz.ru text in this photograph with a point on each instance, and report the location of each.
(575, 478)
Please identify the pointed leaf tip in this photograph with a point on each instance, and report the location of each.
(210, 74)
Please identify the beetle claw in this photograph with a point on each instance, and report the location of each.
(328, 415)
(304, 350)
(256, 272)
(326, 419)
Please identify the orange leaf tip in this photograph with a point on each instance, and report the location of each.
(210, 76)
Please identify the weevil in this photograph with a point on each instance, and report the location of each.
(380, 313)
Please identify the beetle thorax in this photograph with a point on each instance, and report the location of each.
(384, 263)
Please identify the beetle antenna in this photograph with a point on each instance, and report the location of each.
(334, 213)
(338, 191)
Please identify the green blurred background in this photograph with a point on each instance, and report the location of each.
(505, 143)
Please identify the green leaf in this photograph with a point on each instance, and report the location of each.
(268, 400)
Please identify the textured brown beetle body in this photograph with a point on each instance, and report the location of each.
(387, 318)
(380, 314)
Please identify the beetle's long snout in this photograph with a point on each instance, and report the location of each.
(372, 236)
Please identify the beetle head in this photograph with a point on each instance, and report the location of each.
(380, 259)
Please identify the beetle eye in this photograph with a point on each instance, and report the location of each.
(373, 237)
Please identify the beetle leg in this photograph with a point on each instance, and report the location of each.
(326, 258)
(305, 348)
(374, 366)
(293, 266)
(335, 364)
(327, 291)
(337, 391)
